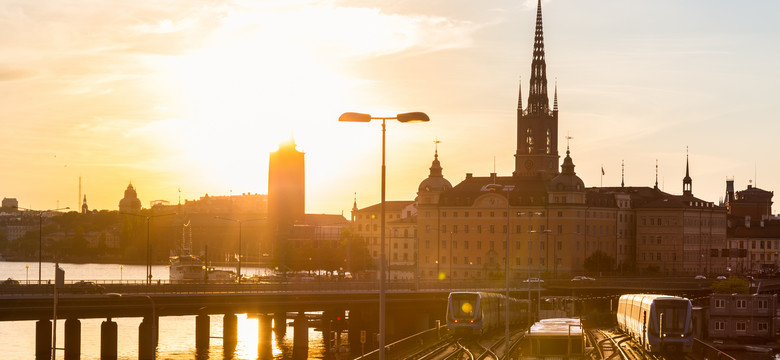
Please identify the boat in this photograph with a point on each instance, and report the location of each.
(186, 267)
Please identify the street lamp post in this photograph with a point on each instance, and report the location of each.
(406, 117)
(238, 271)
(27, 274)
(40, 235)
(148, 247)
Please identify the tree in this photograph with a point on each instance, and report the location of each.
(357, 256)
(599, 262)
(731, 285)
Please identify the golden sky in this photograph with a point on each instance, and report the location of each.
(193, 95)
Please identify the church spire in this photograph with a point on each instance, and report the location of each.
(687, 181)
(520, 98)
(555, 104)
(538, 102)
(622, 173)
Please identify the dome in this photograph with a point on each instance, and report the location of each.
(568, 179)
(435, 180)
(131, 202)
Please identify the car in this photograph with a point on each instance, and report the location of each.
(533, 280)
(721, 277)
(581, 278)
(10, 282)
(700, 277)
(86, 287)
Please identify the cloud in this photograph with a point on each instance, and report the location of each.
(10, 74)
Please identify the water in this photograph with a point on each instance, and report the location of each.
(177, 333)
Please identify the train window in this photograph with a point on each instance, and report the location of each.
(463, 305)
(674, 314)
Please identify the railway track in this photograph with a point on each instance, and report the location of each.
(614, 345)
(486, 347)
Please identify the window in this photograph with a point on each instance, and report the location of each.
(479, 245)
(720, 303)
(444, 244)
(763, 304)
(762, 326)
(741, 326)
(741, 304)
(466, 244)
(549, 141)
(466, 229)
(720, 325)
(492, 229)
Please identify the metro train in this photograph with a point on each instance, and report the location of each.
(557, 338)
(475, 313)
(659, 323)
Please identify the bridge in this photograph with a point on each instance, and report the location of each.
(411, 306)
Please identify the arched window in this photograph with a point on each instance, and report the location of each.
(549, 141)
(529, 139)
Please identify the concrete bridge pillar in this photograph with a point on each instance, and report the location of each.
(280, 322)
(355, 325)
(147, 338)
(72, 339)
(108, 340)
(42, 339)
(265, 349)
(229, 332)
(301, 337)
(202, 334)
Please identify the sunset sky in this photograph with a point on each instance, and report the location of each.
(193, 95)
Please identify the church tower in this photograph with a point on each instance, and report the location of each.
(537, 124)
(687, 181)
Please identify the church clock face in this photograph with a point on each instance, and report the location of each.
(529, 164)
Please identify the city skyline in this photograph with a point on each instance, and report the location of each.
(171, 97)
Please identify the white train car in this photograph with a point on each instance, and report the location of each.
(475, 313)
(557, 338)
(659, 323)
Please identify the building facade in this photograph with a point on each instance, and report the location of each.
(742, 316)
(753, 232)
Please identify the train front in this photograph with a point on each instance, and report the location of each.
(463, 314)
(673, 317)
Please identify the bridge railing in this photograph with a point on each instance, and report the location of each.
(702, 350)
